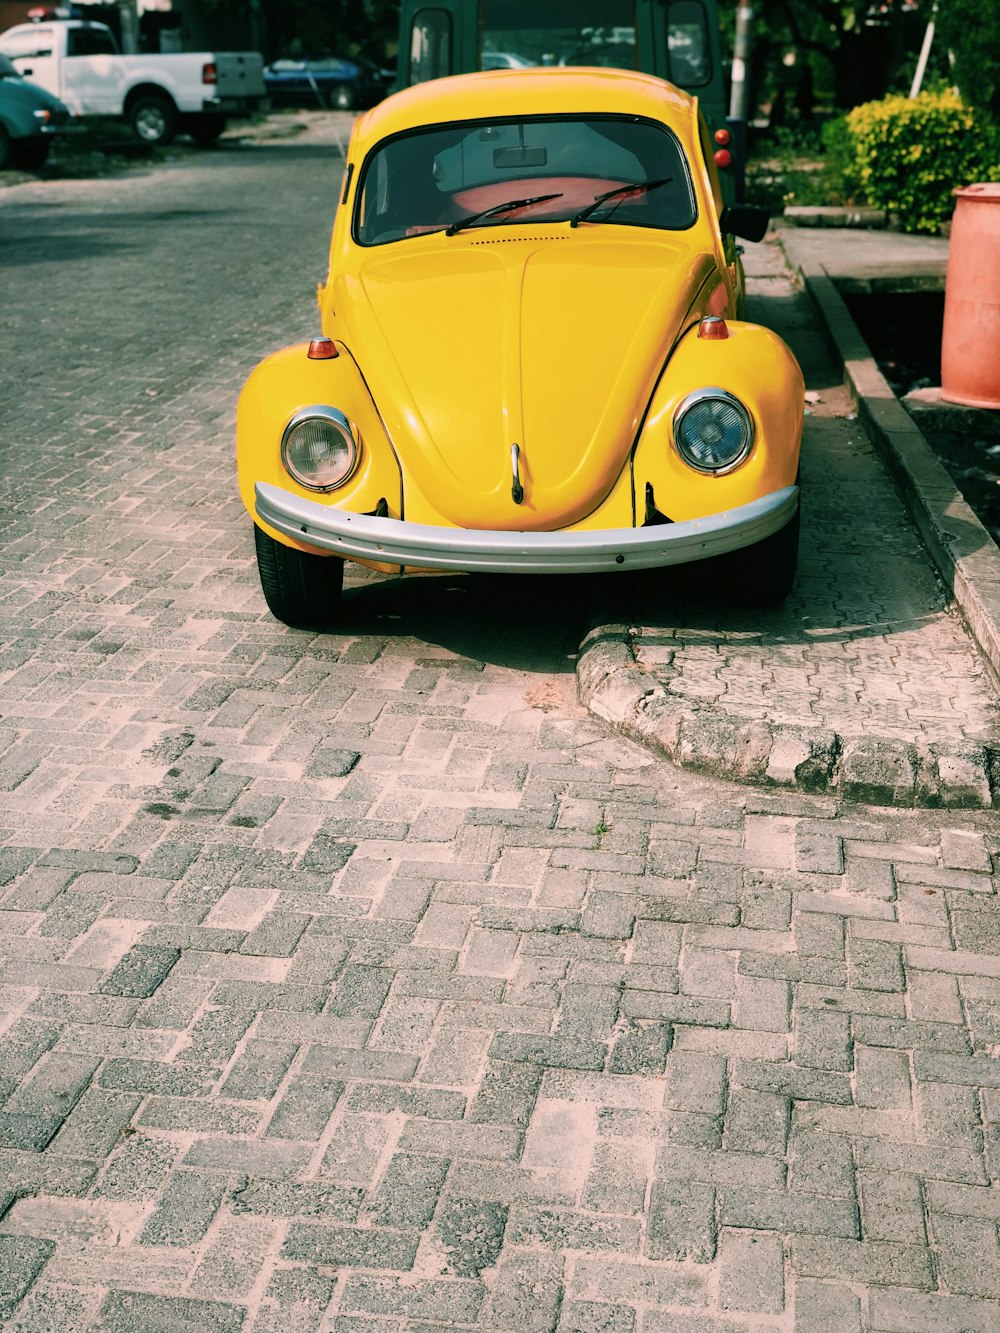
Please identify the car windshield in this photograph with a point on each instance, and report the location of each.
(430, 179)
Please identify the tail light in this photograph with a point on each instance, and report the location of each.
(209, 73)
(723, 157)
(722, 138)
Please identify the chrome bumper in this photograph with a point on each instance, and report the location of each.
(393, 542)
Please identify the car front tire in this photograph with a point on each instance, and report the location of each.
(301, 590)
(32, 154)
(762, 575)
(6, 150)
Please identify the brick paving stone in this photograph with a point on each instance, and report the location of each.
(185, 1210)
(22, 1258)
(826, 1307)
(751, 1272)
(310, 941)
(138, 1312)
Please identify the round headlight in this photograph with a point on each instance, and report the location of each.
(713, 431)
(319, 448)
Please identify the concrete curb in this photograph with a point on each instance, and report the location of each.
(870, 769)
(963, 551)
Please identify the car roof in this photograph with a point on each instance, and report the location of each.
(527, 92)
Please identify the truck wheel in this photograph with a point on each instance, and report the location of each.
(301, 590)
(204, 130)
(6, 153)
(33, 154)
(153, 118)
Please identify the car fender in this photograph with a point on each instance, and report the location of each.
(757, 367)
(284, 384)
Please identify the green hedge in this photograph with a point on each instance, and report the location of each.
(909, 154)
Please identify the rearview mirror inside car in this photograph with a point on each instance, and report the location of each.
(520, 156)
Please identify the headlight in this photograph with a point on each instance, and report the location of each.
(319, 448)
(43, 116)
(713, 431)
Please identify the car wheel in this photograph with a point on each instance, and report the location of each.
(763, 574)
(153, 118)
(301, 590)
(6, 152)
(343, 98)
(32, 154)
(204, 130)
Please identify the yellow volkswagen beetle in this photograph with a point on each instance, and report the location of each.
(531, 357)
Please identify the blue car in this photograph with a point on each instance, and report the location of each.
(327, 81)
(29, 117)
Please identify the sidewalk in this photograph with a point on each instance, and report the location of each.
(867, 682)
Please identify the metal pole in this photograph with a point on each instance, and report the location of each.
(925, 52)
(739, 98)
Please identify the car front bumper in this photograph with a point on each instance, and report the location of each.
(395, 542)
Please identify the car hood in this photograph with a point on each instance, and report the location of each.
(474, 343)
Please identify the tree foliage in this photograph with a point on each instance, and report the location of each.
(970, 29)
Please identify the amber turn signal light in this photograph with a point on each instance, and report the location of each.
(322, 349)
(713, 327)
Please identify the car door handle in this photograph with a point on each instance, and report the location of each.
(27, 70)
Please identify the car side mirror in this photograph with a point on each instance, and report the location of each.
(746, 221)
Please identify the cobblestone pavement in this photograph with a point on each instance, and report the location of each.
(363, 982)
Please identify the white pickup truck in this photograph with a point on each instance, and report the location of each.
(79, 63)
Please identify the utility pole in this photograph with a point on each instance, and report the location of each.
(129, 19)
(739, 97)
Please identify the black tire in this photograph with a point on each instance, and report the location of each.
(343, 98)
(32, 154)
(153, 118)
(300, 589)
(6, 150)
(762, 575)
(204, 130)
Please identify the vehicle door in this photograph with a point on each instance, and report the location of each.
(32, 50)
(93, 72)
(433, 41)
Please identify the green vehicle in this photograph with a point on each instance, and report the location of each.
(677, 40)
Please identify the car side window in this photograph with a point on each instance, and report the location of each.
(89, 42)
(430, 45)
(37, 42)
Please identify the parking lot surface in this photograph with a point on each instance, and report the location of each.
(365, 981)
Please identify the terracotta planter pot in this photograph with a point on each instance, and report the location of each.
(970, 344)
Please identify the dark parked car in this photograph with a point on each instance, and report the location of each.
(29, 116)
(328, 81)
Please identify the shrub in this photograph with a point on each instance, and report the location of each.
(911, 153)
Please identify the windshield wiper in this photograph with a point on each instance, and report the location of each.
(640, 187)
(508, 207)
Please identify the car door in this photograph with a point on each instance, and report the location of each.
(93, 72)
